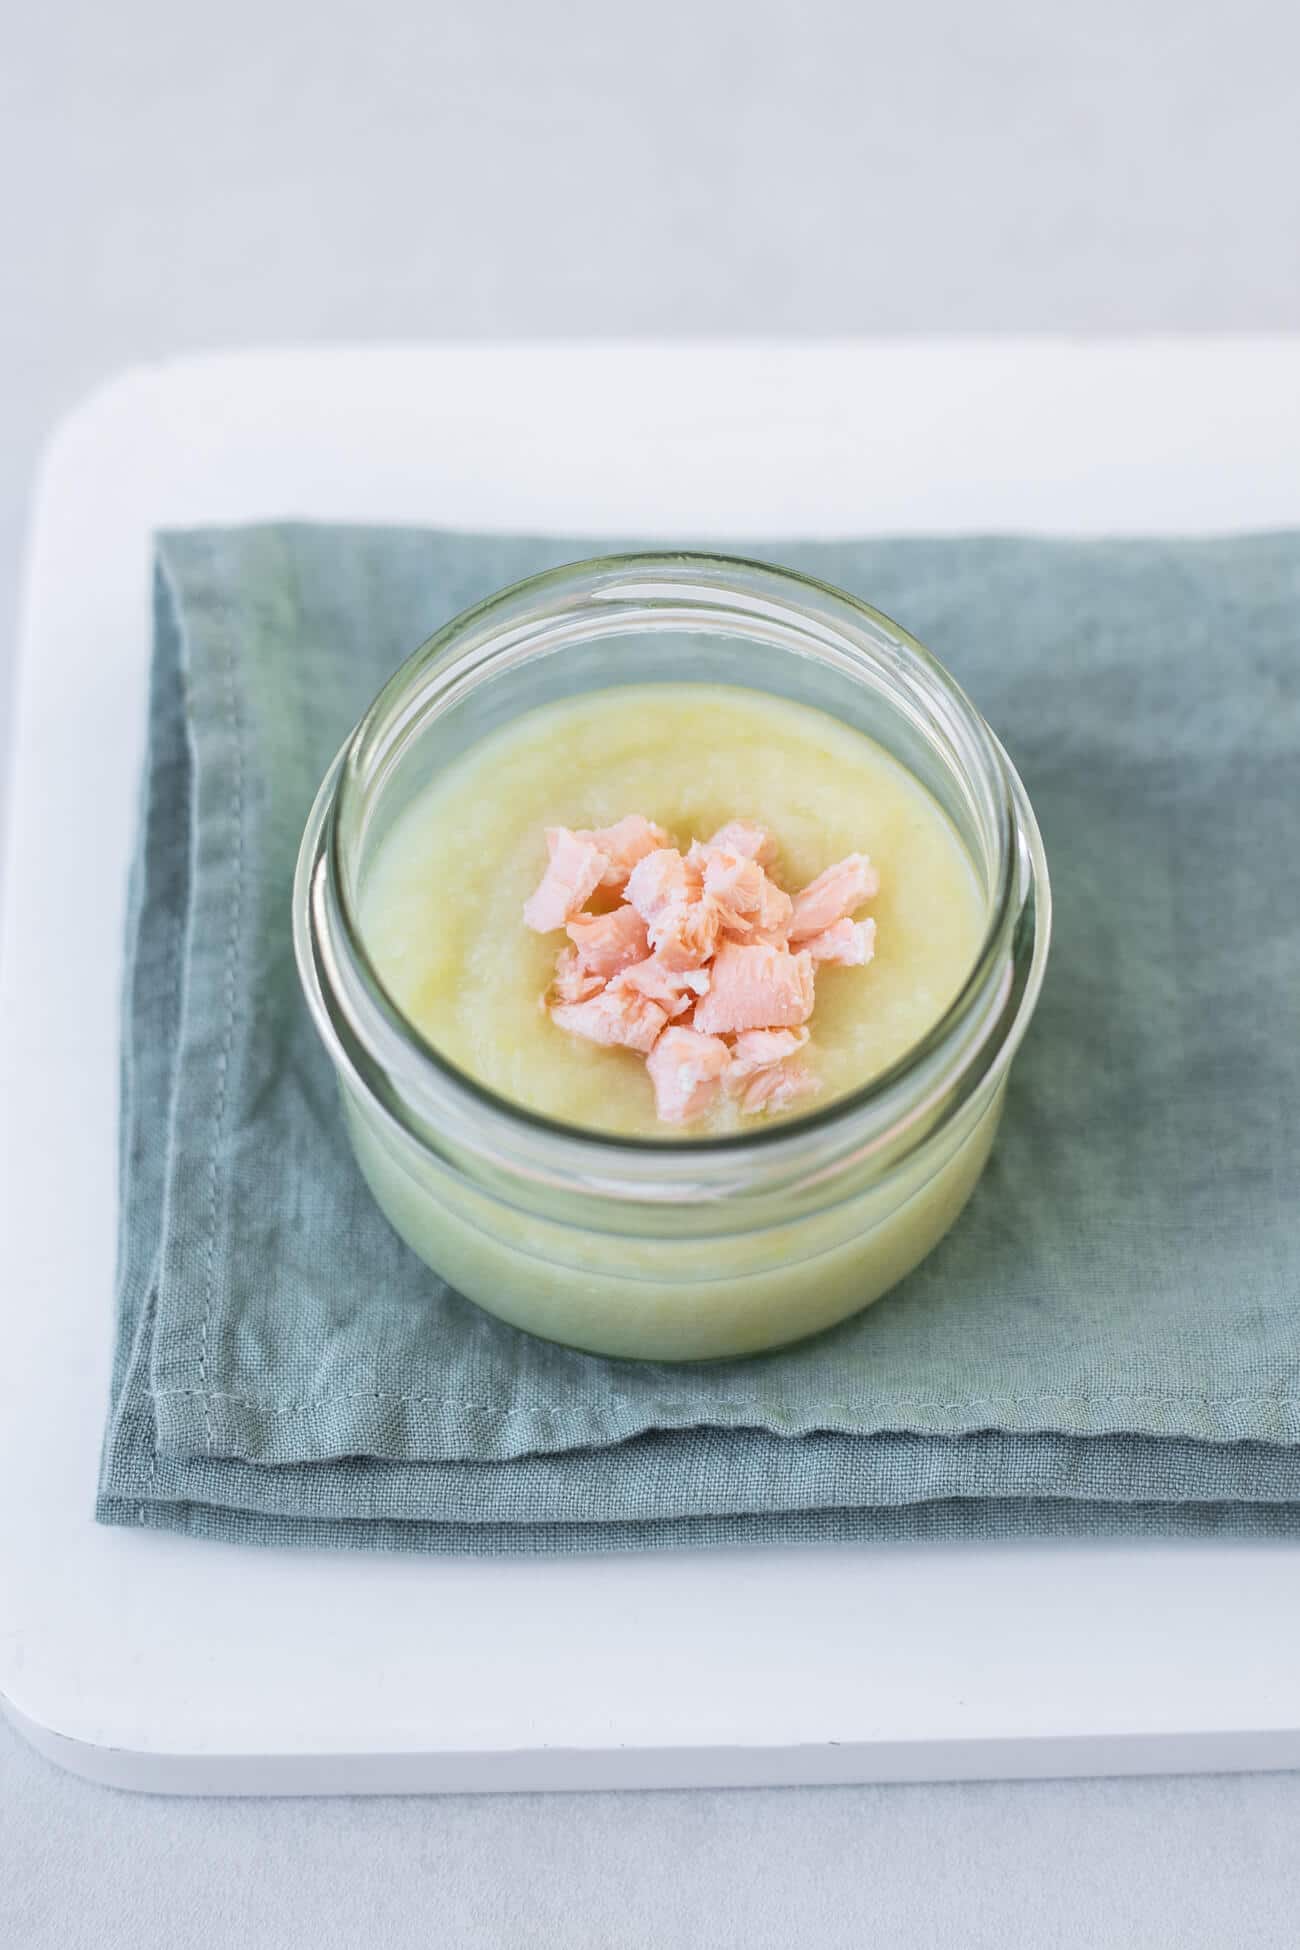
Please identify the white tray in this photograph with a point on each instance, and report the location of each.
(158, 1662)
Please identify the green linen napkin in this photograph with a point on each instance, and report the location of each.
(1110, 1339)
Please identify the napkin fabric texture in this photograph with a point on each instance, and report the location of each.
(1109, 1340)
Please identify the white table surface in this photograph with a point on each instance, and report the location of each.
(1181, 1864)
(1118, 168)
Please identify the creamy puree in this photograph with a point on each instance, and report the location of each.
(443, 898)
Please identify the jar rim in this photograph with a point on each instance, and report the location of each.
(359, 1018)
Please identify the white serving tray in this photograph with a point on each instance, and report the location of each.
(159, 1662)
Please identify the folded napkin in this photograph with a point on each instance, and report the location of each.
(1110, 1339)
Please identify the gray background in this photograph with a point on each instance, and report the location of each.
(269, 170)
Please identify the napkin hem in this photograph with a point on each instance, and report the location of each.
(383, 1423)
(951, 1520)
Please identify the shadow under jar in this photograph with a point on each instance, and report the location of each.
(678, 1247)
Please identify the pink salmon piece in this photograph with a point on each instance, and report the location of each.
(573, 873)
(748, 898)
(833, 895)
(608, 943)
(756, 987)
(734, 879)
(572, 982)
(775, 909)
(616, 1017)
(685, 934)
(625, 844)
(778, 1087)
(744, 836)
(675, 990)
(850, 943)
(659, 881)
(686, 1070)
(762, 1049)
(731, 884)
(767, 938)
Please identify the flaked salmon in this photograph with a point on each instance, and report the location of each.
(764, 1074)
(675, 991)
(706, 966)
(573, 873)
(735, 882)
(608, 943)
(778, 1087)
(851, 943)
(756, 987)
(760, 1049)
(661, 880)
(625, 843)
(833, 895)
(748, 899)
(686, 1070)
(617, 1017)
(682, 922)
(572, 982)
(685, 934)
(747, 837)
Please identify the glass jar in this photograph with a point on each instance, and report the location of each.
(682, 1248)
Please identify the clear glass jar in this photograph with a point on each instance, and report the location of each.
(683, 1248)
